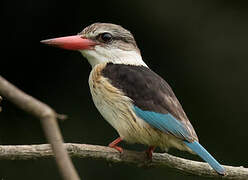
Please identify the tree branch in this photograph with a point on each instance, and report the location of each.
(27, 152)
(48, 121)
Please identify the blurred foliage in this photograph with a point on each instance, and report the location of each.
(199, 47)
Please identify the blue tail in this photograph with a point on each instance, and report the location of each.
(202, 152)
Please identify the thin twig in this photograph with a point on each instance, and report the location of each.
(48, 121)
(27, 152)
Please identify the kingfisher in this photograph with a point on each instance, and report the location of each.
(133, 99)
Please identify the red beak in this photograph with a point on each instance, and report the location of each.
(76, 42)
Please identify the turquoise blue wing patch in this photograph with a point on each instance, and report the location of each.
(164, 122)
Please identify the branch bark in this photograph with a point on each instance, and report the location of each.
(28, 152)
(49, 123)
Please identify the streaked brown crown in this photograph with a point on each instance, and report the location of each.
(110, 35)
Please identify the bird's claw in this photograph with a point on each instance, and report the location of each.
(149, 152)
(117, 148)
(114, 145)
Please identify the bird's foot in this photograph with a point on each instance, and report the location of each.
(117, 148)
(149, 152)
(114, 144)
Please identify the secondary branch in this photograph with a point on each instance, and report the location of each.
(48, 120)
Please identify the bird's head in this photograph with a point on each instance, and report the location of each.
(101, 43)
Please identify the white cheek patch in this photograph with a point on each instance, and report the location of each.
(101, 54)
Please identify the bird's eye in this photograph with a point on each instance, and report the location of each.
(105, 37)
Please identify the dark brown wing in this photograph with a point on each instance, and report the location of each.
(148, 91)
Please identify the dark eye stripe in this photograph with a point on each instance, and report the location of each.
(105, 37)
(108, 38)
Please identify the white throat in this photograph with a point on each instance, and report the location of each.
(100, 55)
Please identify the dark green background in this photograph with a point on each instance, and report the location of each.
(199, 47)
